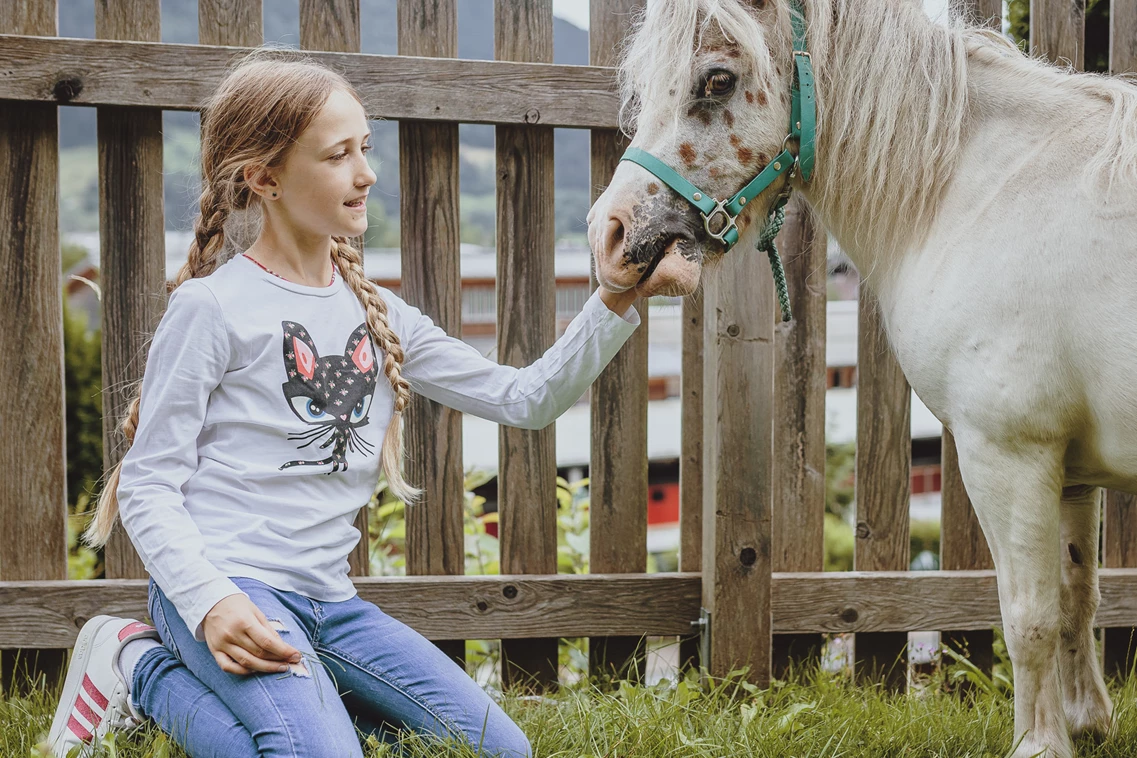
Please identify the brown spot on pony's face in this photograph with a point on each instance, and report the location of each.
(688, 154)
(715, 122)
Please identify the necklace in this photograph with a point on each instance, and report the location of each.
(278, 276)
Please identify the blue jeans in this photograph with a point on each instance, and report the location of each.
(366, 671)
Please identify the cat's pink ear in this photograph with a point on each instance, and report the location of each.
(363, 357)
(305, 359)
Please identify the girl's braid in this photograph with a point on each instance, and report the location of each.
(202, 260)
(350, 263)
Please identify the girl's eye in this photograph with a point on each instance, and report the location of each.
(341, 156)
(308, 409)
(719, 84)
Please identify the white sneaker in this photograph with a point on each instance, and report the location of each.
(96, 695)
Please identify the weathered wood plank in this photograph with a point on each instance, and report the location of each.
(49, 613)
(180, 77)
(618, 472)
(40, 614)
(691, 456)
(986, 12)
(1058, 31)
(883, 471)
(1119, 520)
(333, 25)
(431, 280)
(799, 424)
(235, 23)
(962, 547)
(526, 327)
(330, 25)
(738, 399)
(132, 234)
(33, 496)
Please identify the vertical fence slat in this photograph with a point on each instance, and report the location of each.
(526, 326)
(432, 281)
(333, 25)
(986, 12)
(738, 432)
(132, 241)
(962, 545)
(691, 456)
(883, 471)
(1120, 518)
(1058, 30)
(799, 424)
(237, 23)
(33, 496)
(618, 476)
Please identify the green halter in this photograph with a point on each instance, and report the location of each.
(803, 130)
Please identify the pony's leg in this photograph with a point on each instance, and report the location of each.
(1087, 703)
(1016, 489)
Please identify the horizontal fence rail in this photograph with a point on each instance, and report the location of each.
(48, 614)
(180, 77)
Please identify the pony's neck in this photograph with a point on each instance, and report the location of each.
(892, 96)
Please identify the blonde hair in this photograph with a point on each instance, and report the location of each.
(260, 109)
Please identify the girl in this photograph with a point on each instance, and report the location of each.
(243, 521)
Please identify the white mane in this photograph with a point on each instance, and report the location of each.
(892, 99)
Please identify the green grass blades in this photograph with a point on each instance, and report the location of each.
(814, 715)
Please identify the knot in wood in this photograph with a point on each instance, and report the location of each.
(67, 88)
(849, 615)
(509, 591)
(482, 605)
(748, 556)
(863, 531)
(733, 330)
(532, 116)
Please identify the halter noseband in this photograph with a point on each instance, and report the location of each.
(803, 130)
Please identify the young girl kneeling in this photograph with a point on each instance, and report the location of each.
(275, 385)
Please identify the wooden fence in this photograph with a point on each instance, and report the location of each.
(753, 457)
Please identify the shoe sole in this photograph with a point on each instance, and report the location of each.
(80, 657)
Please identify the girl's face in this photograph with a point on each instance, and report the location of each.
(322, 186)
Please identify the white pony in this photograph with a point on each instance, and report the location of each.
(990, 202)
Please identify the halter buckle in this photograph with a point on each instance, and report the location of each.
(731, 221)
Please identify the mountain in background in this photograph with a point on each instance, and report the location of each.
(281, 25)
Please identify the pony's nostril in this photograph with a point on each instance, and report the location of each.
(615, 236)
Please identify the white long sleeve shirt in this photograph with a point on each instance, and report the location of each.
(263, 410)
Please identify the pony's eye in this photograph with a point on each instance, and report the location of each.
(719, 84)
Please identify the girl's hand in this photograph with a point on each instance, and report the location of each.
(618, 302)
(241, 640)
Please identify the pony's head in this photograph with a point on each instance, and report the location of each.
(705, 88)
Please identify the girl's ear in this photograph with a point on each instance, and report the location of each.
(261, 181)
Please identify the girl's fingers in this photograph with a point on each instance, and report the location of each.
(249, 662)
(228, 664)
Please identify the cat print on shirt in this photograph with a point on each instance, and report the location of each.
(332, 394)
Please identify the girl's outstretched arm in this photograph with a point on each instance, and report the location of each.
(455, 374)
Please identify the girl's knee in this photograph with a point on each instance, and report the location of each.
(506, 740)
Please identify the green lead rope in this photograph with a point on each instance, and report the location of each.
(766, 244)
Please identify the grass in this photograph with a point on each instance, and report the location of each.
(811, 715)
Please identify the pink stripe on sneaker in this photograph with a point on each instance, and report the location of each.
(78, 730)
(85, 711)
(133, 628)
(96, 696)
